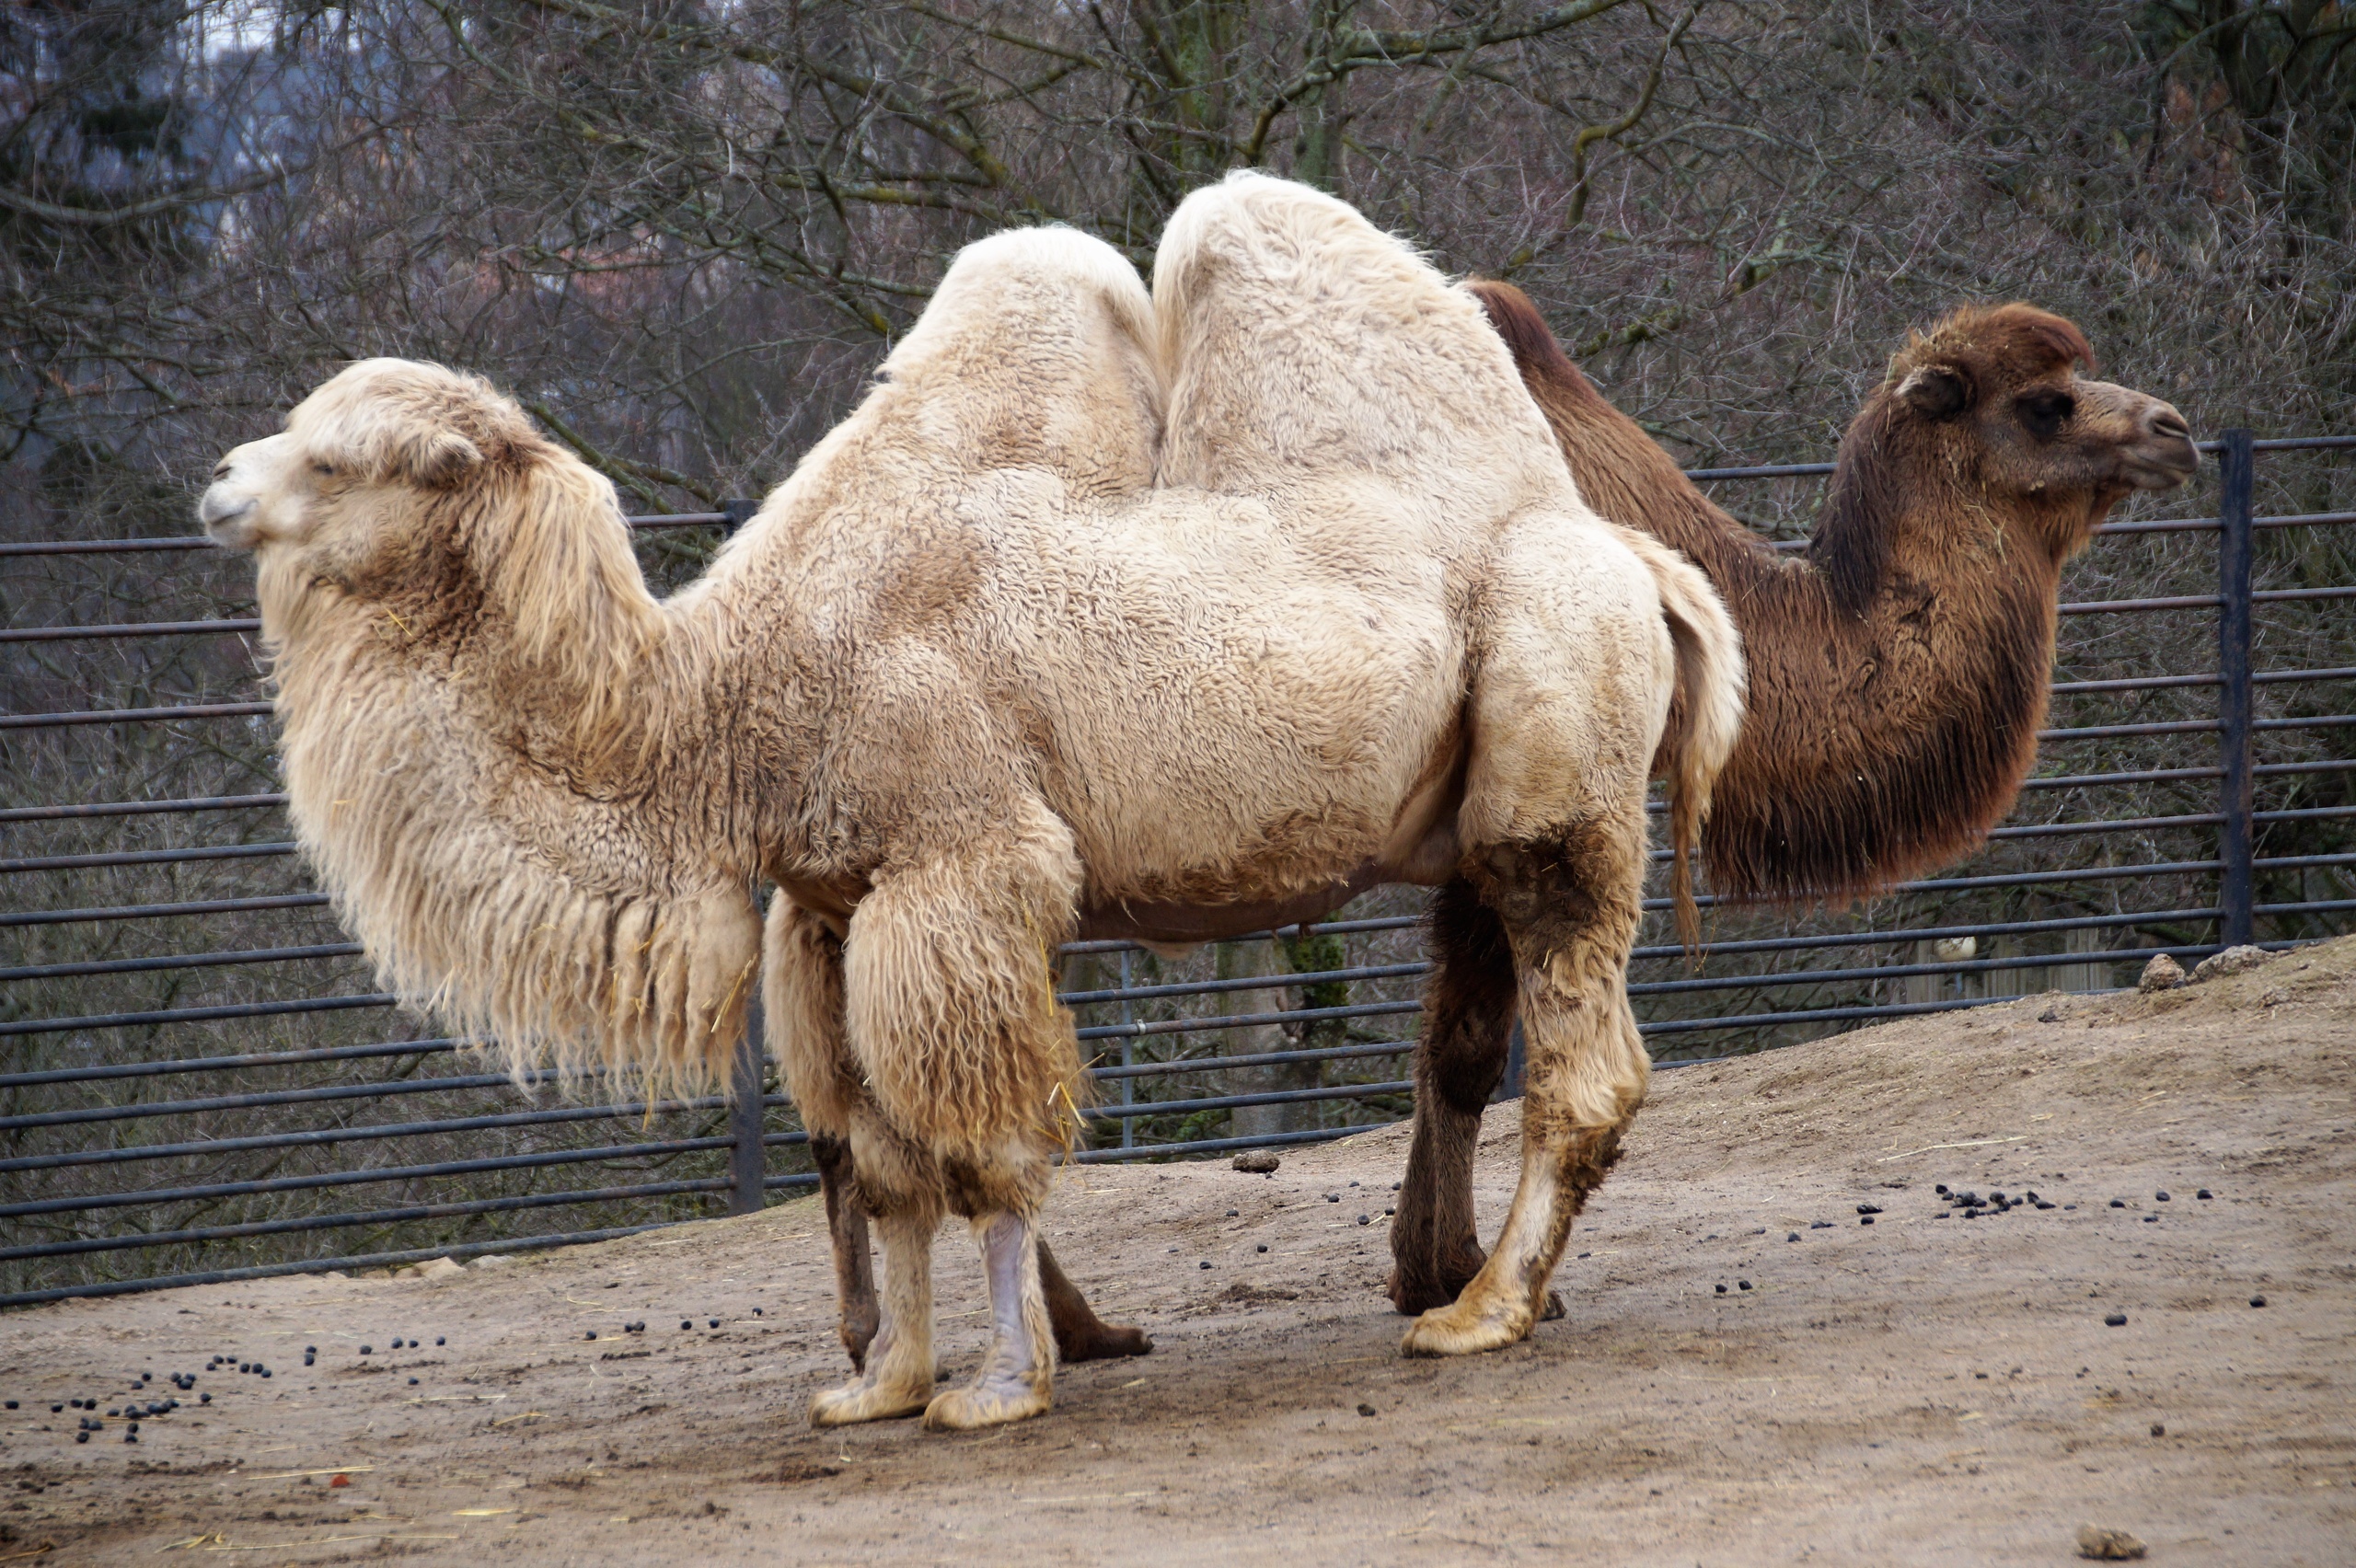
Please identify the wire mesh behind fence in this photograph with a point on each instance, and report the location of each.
(201, 1081)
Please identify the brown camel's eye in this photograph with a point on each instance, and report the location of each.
(2044, 412)
(324, 470)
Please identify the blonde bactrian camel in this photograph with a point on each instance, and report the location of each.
(1898, 666)
(1100, 614)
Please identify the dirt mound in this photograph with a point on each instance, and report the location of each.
(1750, 1371)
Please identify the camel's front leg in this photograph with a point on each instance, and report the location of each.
(897, 1380)
(1018, 1376)
(1571, 909)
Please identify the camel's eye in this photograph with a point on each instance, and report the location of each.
(2044, 412)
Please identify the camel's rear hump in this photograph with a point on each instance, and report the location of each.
(1300, 342)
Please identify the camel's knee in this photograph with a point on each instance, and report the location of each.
(1570, 907)
(951, 1011)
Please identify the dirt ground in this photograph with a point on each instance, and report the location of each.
(1923, 1390)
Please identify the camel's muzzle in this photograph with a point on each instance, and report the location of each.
(229, 519)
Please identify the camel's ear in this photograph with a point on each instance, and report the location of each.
(432, 457)
(1936, 391)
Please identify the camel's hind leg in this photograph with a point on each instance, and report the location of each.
(1468, 1018)
(1570, 909)
(846, 1234)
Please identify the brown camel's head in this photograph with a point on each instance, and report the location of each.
(1991, 395)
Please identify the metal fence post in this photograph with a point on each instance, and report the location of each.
(2235, 697)
(748, 1164)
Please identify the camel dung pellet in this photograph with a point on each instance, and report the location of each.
(1742, 1284)
(1205, 1264)
(592, 1333)
(1264, 1246)
(2115, 1320)
(367, 1350)
(130, 1436)
(1819, 1225)
(715, 1323)
(1864, 1219)
(8, 1404)
(56, 1409)
(2160, 1196)
(204, 1399)
(2118, 1202)
(685, 1323)
(1793, 1236)
(440, 1340)
(1722, 1290)
(2159, 1429)
(2151, 1219)
(1332, 1197)
(412, 1382)
(1366, 1219)
(81, 1437)
(1876, 1208)
(2258, 1300)
(2204, 1193)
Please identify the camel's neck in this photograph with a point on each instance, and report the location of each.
(1897, 675)
(530, 828)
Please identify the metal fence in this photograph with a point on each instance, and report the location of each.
(197, 1109)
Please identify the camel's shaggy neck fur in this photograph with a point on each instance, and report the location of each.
(486, 742)
(1898, 667)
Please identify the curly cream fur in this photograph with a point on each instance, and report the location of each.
(1100, 614)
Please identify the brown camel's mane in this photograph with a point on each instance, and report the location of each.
(1925, 618)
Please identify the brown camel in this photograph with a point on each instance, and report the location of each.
(1100, 616)
(1898, 666)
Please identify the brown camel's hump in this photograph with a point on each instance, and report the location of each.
(1545, 368)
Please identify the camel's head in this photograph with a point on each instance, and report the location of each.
(1998, 391)
(336, 494)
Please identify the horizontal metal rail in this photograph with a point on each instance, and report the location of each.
(140, 808)
(219, 1190)
(147, 857)
(294, 1224)
(371, 1131)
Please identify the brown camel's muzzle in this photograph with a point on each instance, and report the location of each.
(2164, 457)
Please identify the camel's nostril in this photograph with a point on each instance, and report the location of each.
(2167, 422)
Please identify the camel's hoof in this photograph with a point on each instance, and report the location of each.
(1416, 1296)
(1554, 1308)
(1104, 1343)
(986, 1404)
(862, 1400)
(1463, 1330)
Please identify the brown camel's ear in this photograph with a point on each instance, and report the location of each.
(1936, 391)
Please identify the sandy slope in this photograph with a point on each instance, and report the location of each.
(1922, 1391)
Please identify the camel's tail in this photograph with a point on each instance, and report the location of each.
(1705, 716)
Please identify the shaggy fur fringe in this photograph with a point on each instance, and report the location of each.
(448, 865)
